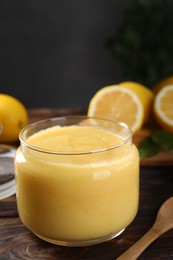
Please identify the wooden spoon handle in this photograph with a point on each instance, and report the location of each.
(136, 250)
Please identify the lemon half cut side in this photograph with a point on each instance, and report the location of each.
(163, 108)
(145, 95)
(117, 103)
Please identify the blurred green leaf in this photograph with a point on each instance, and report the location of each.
(143, 41)
(153, 144)
(163, 138)
(148, 148)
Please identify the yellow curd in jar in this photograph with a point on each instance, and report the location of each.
(83, 190)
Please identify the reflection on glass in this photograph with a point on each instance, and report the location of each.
(7, 181)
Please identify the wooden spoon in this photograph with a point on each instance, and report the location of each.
(163, 223)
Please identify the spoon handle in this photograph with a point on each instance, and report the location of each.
(137, 249)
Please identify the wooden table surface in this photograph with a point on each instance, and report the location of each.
(156, 185)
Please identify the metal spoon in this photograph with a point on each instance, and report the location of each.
(163, 223)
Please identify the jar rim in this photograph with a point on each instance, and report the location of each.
(24, 142)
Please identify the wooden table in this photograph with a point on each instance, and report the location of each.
(156, 185)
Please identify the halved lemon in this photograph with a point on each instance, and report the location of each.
(163, 108)
(161, 84)
(117, 103)
(145, 95)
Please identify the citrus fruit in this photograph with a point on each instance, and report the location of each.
(163, 108)
(13, 117)
(164, 82)
(145, 95)
(117, 103)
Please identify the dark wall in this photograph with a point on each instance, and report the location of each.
(52, 53)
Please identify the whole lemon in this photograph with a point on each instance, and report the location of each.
(13, 117)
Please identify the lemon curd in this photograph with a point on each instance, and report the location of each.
(77, 185)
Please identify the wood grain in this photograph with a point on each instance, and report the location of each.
(44, 113)
(156, 185)
(162, 159)
(17, 242)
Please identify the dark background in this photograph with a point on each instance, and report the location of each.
(53, 54)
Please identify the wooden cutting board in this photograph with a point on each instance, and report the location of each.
(161, 160)
(164, 158)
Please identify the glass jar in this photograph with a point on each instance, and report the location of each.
(77, 179)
